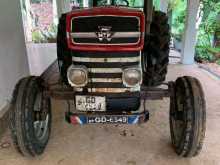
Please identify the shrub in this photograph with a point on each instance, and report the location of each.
(37, 37)
(46, 36)
(205, 50)
(218, 62)
(50, 35)
(178, 9)
(202, 54)
(38, 1)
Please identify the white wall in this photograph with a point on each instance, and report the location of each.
(13, 59)
(40, 57)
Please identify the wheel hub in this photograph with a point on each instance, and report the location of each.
(41, 118)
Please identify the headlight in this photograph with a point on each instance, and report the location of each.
(77, 76)
(132, 77)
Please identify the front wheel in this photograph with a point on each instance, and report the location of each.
(187, 116)
(30, 117)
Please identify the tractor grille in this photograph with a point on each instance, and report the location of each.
(105, 70)
(116, 30)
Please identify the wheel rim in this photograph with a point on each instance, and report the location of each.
(177, 117)
(41, 117)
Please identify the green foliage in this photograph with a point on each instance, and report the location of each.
(209, 11)
(136, 3)
(218, 62)
(209, 26)
(202, 54)
(35, 1)
(214, 50)
(47, 36)
(38, 1)
(50, 34)
(206, 7)
(178, 8)
(131, 2)
(37, 37)
(156, 4)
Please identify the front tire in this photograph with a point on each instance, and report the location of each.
(187, 116)
(30, 117)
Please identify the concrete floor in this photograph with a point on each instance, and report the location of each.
(147, 144)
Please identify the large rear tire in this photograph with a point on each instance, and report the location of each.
(187, 116)
(30, 117)
(156, 51)
(63, 52)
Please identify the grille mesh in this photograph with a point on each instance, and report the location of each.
(106, 75)
(121, 30)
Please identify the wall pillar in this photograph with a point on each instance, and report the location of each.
(28, 26)
(189, 38)
(13, 56)
(85, 3)
(63, 6)
(164, 5)
(55, 14)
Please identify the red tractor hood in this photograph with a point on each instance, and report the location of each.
(99, 28)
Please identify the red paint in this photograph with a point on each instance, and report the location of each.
(117, 11)
(74, 120)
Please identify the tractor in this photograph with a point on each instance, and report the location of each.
(112, 56)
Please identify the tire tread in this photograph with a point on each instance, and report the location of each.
(193, 137)
(156, 52)
(20, 122)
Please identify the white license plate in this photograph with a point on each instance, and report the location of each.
(90, 103)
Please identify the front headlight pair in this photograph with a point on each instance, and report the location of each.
(132, 77)
(78, 76)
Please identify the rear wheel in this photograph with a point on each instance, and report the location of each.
(156, 51)
(30, 117)
(187, 116)
(63, 52)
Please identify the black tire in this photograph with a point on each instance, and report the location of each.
(29, 112)
(187, 117)
(63, 52)
(156, 51)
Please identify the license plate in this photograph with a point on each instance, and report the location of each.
(90, 103)
(107, 119)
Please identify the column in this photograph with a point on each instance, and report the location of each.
(63, 6)
(13, 56)
(164, 5)
(189, 38)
